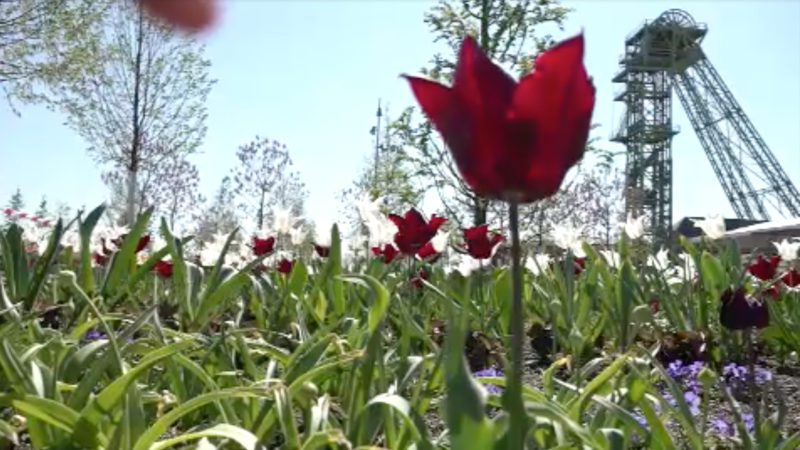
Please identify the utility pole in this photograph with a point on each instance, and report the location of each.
(377, 130)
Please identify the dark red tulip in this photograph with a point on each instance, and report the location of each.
(740, 311)
(99, 259)
(764, 268)
(413, 231)
(773, 292)
(163, 268)
(654, 305)
(143, 241)
(480, 242)
(22, 215)
(262, 246)
(578, 265)
(416, 280)
(8, 211)
(791, 278)
(322, 250)
(284, 266)
(191, 15)
(428, 254)
(387, 253)
(140, 245)
(513, 140)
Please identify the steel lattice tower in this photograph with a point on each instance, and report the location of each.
(663, 55)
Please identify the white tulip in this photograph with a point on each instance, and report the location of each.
(634, 228)
(712, 226)
(568, 237)
(787, 250)
(538, 263)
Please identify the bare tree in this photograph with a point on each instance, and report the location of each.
(219, 216)
(264, 179)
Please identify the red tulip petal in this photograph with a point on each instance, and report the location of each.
(414, 219)
(496, 239)
(557, 99)
(475, 232)
(483, 86)
(397, 220)
(436, 222)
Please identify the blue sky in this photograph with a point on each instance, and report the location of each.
(309, 73)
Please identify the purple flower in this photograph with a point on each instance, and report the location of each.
(733, 370)
(749, 421)
(693, 401)
(93, 335)
(675, 369)
(491, 372)
(763, 375)
(721, 426)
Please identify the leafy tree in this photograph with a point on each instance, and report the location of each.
(44, 41)
(175, 190)
(17, 202)
(143, 102)
(43, 211)
(263, 180)
(509, 32)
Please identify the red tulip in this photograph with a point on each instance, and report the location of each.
(192, 15)
(773, 292)
(428, 253)
(740, 311)
(322, 250)
(764, 268)
(413, 232)
(480, 242)
(578, 265)
(163, 268)
(22, 215)
(791, 278)
(509, 140)
(8, 211)
(416, 280)
(284, 266)
(143, 241)
(140, 245)
(388, 252)
(262, 246)
(99, 259)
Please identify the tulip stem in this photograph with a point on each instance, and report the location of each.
(513, 394)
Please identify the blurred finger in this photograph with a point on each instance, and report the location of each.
(191, 15)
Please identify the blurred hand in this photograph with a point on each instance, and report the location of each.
(190, 15)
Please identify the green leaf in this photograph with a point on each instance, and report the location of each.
(161, 425)
(125, 258)
(400, 406)
(49, 411)
(283, 406)
(225, 291)
(578, 405)
(109, 398)
(43, 264)
(85, 229)
(244, 438)
(180, 275)
(380, 299)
